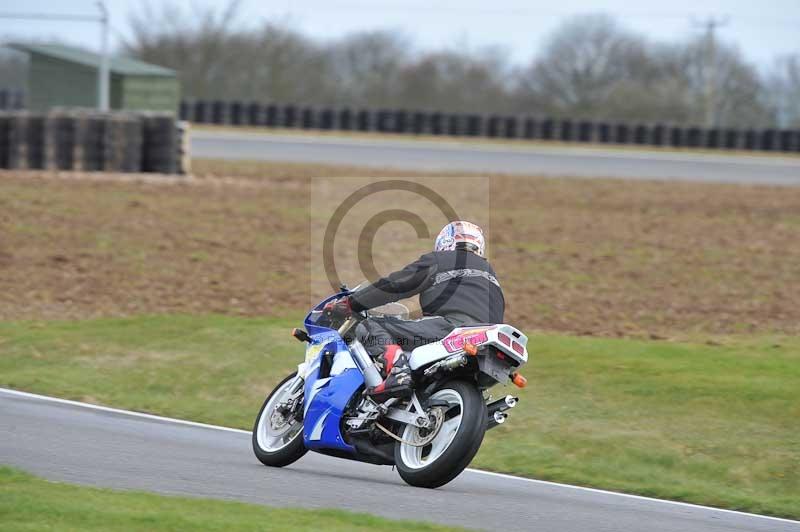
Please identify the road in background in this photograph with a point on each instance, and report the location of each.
(512, 158)
(76, 443)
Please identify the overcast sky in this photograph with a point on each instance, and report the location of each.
(762, 30)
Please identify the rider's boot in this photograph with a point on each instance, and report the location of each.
(397, 372)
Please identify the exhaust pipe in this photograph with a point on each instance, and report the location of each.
(497, 410)
(501, 405)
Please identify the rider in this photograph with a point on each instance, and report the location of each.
(457, 287)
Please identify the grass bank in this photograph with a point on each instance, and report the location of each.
(30, 503)
(710, 424)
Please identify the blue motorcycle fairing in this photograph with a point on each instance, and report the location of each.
(326, 397)
(323, 419)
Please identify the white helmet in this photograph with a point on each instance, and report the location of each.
(467, 234)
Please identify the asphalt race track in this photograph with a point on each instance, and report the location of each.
(72, 442)
(452, 155)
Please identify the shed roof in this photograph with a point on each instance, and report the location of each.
(117, 65)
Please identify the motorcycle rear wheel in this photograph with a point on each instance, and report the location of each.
(454, 446)
(277, 447)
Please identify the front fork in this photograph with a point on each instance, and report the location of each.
(363, 361)
(296, 388)
(293, 396)
(365, 364)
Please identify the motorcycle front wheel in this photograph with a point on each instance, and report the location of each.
(277, 438)
(455, 444)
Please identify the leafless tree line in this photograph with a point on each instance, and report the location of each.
(591, 67)
(784, 85)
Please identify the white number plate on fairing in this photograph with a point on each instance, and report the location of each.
(312, 353)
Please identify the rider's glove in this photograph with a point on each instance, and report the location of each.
(340, 308)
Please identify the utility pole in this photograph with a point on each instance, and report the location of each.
(710, 68)
(103, 72)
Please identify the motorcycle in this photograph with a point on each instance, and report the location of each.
(430, 437)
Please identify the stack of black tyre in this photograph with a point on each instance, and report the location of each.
(61, 140)
(16, 141)
(159, 144)
(4, 140)
(86, 140)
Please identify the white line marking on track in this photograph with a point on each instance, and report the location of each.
(631, 496)
(131, 413)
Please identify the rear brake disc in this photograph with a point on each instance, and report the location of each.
(422, 436)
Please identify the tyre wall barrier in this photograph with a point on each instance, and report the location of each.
(255, 114)
(345, 119)
(90, 141)
(5, 128)
(414, 122)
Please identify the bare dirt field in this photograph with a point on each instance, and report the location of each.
(612, 258)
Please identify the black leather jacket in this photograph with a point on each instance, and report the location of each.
(457, 284)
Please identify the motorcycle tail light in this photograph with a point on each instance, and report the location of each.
(518, 348)
(504, 338)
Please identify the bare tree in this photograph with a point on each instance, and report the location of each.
(367, 67)
(582, 65)
(457, 81)
(783, 91)
(592, 68)
(738, 94)
(273, 62)
(279, 64)
(194, 43)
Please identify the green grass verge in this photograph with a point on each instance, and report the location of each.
(710, 424)
(30, 503)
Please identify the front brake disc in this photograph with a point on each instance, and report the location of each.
(278, 419)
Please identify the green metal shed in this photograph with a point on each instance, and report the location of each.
(64, 76)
